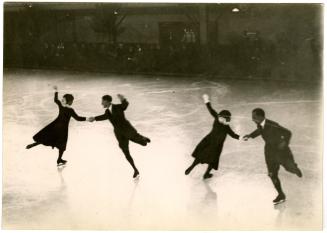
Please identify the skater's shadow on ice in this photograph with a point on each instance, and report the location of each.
(210, 202)
(210, 196)
(204, 201)
(132, 197)
(130, 208)
(62, 180)
(280, 214)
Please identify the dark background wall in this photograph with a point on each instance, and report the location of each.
(281, 41)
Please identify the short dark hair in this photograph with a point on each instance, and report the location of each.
(107, 98)
(225, 114)
(69, 98)
(259, 112)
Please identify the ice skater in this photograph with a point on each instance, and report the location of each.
(277, 151)
(56, 133)
(123, 129)
(209, 149)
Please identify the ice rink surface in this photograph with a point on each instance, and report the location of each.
(96, 189)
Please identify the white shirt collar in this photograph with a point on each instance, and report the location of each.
(110, 108)
(263, 123)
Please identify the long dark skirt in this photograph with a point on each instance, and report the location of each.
(208, 151)
(55, 135)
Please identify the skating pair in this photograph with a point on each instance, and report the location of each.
(276, 137)
(56, 133)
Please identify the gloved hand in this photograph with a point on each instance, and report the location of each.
(205, 98)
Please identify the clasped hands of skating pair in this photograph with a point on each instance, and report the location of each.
(206, 100)
(120, 97)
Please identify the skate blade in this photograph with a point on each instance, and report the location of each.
(61, 164)
(280, 202)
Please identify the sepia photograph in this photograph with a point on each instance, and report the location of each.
(162, 116)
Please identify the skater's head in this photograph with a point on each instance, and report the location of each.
(258, 115)
(225, 116)
(106, 101)
(68, 99)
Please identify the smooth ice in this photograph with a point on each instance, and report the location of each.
(96, 190)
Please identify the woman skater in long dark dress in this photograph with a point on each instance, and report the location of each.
(56, 133)
(209, 149)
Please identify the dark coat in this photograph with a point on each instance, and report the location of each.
(274, 135)
(56, 133)
(209, 149)
(117, 118)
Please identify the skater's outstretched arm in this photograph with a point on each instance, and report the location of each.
(254, 134)
(124, 102)
(211, 110)
(56, 100)
(232, 133)
(208, 104)
(103, 117)
(77, 117)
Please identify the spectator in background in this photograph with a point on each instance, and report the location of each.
(45, 54)
(120, 62)
(192, 37)
(139, 58)
(187, 37)
(75, 55)
(130, 58)
(83, 55)
(157, 57)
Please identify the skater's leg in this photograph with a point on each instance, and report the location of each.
(207, 173)
(123, 144)
(29, 146)
(273, 164)
(188, 170)
(287, 161)
(60, 160)
(140, 139)
(277, 184)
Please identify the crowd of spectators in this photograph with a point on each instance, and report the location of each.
(243, 58)
(103, 56)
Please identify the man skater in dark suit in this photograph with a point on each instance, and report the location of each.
(123, 129)
(277, 151)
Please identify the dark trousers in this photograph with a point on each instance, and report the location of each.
(123, 142)
(279, 157)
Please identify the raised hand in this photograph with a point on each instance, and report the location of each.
(205, 98)
(120, 97)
